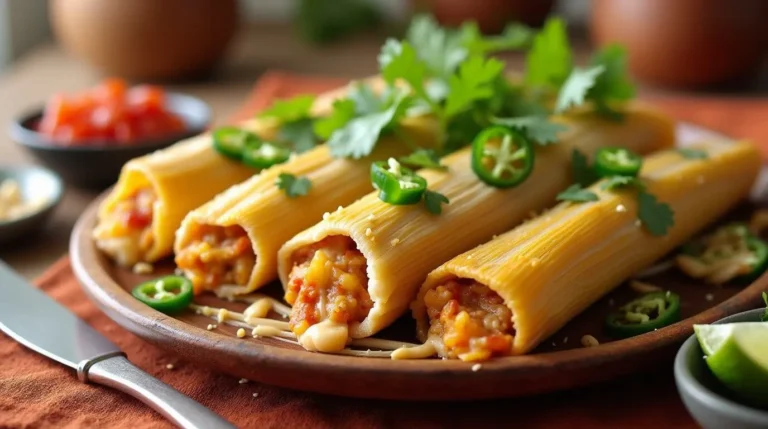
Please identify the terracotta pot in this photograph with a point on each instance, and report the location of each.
(146, 39)
(685, 42)
(491, 15)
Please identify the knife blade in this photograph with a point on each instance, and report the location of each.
(41, 324)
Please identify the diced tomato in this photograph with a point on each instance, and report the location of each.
(138, 219)
(109, 112)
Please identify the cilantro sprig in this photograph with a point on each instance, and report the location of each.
(293, 186)
(656, 216)
(295, 122)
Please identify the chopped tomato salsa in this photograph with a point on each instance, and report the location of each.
(109, 112)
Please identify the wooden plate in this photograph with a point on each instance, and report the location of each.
(560, 363)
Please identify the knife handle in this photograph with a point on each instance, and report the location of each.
(119, 373)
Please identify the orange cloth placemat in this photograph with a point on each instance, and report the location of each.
(37, 392)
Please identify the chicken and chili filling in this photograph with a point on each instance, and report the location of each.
(126, 232)
(328, 282)
(469, 321)
(217, 255)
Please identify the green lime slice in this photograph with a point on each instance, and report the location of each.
(737, 354)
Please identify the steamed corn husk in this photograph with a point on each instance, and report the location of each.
(403, 243)
(555, 266)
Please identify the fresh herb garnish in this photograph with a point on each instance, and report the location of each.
(575, 193)
(690, 153)
(434, 201)
(576, 87)
(423, 158)
(515, 36)
(360, 135)
(295, 120)
(615, 182)
(549, 60)
(537, 128)
(657, 217)
(583, 174)
(291, 109)
(292, 185)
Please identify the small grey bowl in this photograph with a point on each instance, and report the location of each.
(34, 182)
(708, 401)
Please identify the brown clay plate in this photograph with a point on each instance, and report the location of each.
(559, 363)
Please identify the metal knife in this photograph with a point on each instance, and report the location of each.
(32, 318)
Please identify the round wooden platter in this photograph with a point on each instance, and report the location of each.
(559, 363)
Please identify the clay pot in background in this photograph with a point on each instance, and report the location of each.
(685, 43)
(146, 39)
(491, 15)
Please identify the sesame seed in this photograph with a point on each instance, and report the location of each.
(255, 394)
(326, 215)
(371, 217)
(709, 297)
(534, 262)
(368, 232)
(338, 209)
(211, 327)
(638, 223)
(223, 315)
(242, 381)
(476, 367)
(395, 242)
(241, 333)
(169, 366)
(565, 340)
(620, 208)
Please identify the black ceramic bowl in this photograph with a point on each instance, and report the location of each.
(98, 164)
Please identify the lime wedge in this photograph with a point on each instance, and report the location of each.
(737, 353)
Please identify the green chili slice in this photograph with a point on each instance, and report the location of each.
(617, 161)
(397, 185)
(169, 294)
(731, 241)
(264, 154)
(231, 141)
(501, 157)
(645, 314)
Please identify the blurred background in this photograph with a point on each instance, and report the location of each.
(215, 51)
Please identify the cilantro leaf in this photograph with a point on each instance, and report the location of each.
(690, 153)
(441, 50)
(423, 158)
(360, 135)
(615, 182)
(399, 61)
(582, 172)
(657, 217)
(764, 318)
(343, 112)
(300, 135)
(614, 83)
(290, 110)
(549, 60)
(434, 200)
(575, 193)
(364, 99)
(292, 185)
(575, 89)
(515, 36)
(537, 128)
(471, 83)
